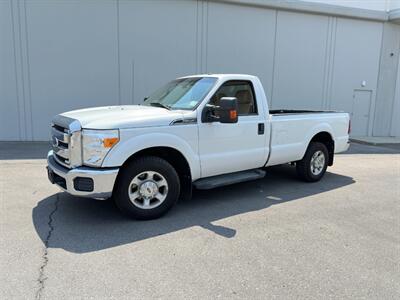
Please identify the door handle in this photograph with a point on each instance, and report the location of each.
(261, 128)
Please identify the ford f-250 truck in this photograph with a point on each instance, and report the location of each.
(202, 130)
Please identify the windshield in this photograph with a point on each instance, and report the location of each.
(185, 93)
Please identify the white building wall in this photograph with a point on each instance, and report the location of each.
(388, 73)
(230, 46)
(394, 4)
(395, 128)
(304, 54)
(73, 58)
(157, 42)
(63, 55)
(11, 106)
(355, 70)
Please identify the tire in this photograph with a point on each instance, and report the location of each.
(309, 169)
(147, 188)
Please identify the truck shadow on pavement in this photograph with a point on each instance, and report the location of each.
(82, 225)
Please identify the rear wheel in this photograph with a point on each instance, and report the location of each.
(314, 163)
(147, 188)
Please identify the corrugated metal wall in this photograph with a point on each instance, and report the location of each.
(63, 55)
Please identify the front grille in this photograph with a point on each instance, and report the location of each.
(61, 159)
(60, 139)
(60, 128)
(67, 141)
(63, 144)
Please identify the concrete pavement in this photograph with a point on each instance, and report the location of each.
(272, 238)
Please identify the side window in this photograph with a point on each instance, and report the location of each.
(243, 91)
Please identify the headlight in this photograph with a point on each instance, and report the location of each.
(96, 144)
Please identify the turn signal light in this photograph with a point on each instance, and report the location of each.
(233, 114)
(109, 142)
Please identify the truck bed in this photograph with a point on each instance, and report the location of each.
(291, 131)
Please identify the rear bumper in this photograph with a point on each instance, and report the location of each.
(342, 144)
(82, 181)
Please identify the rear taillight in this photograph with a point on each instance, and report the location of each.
(349, 129)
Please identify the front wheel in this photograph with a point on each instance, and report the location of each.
(147, 188)
(314, 163)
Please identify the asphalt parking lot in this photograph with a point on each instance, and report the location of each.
(272, 238)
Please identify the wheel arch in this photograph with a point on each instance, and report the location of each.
(176, 159)
(135, 145)
(325, 138)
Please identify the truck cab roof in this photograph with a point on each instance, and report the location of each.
(225, 76)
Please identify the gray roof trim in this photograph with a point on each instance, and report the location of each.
(394, 15)
(315, 7)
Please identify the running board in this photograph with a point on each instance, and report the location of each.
(226, 179)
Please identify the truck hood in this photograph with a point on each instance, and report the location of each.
(126, 116)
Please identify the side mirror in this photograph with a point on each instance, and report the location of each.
(228, 110)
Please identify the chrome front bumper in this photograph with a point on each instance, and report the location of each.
(70, 180)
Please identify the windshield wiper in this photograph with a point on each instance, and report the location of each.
(158, 104)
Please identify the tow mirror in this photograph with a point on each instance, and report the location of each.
(228, 110)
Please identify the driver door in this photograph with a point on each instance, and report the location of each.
(226, 148)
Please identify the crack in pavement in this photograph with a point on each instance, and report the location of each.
(45, 259)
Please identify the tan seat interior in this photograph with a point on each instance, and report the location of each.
(244, 97)
(245, 105)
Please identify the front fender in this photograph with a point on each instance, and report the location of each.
(131, 145)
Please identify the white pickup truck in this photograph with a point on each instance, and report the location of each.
(202, 130)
